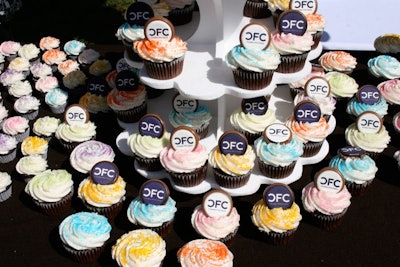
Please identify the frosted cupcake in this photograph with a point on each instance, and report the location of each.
(3, 113)
(45, 84)
(383, 67)
(277, 7)
(51, 191)
(390, 91)
(19, 89)
(127, 34)
(84, 235)
(204, 252)
(73, 48)
(277, 221)
(67, 66)
(257, 9)
(146, 145)
(185, 163)
(8, 148)
(141, 247)
(20, 64)
(9, 77)
(181, 11)
(147, 212)
(5, 186)
(252, 121)
(48, 43)
(277, 154)
(57, 100)
(298, 86)
(315, 25)
(10, 49)
(326, 204)
(213, 223)
(232, 167)
(368, 98)
(45, 127)
(193, 115)
(357, 168)
(40, 70)
(53, 57)
(75, 84)
(388, 44)
(16, 126)
(33, 145)
(343, 87)
(339, 61)
(30, 52)
(29, 166)
(95, 104)
(87, 57)
(27, 106)
(104, 195)
(100, 67)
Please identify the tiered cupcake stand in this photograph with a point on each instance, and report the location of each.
(206, 77)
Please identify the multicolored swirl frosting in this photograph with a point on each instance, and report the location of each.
(384, 66)
(94, 103)
(354, 107)
(278, 154)
(31, 165)
(34, 145)
(84, 230)
(342, 85)
(26, 104)
(370, 142)
(124, 100)
(68, 66)
(146, 146)
(7, 143)
(74, 79)
(205, 252)
(20, 89)
(252, 59)
(50, 185)
(232, 164)
(45, 84)
(327, 104)
(338, 61)
(77, 132)
(251, 123)
(315, 22)
(160, 51)
(325, 201)
(277, 220)
(100, 67)
(183, 160)
(15, 125)
(9, 77)
(214, 228)
(194, 119)
(390, 91)
(19, 64)
(53, 56)
(129, 33)
(29, 51)
(142, 247)
(150, 215)
(9, 48)
(56, 97)
(49, 42)
(87, 154)
(39, 70)
(289, 44)
(309, 131)
(46, 126)
(74, 47)
(99, 195)
(355, 169)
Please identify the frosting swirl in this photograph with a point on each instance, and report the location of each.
(7, 144)
(309, 132)
(78, 132)
(252, 123)
(100, 67)
(194, 119)
(31, 165)
(53, 56)
(342, 85)
(19, 64)
(371, 142)
(9, 77)
(232, 164)
(94, 103)
(5, 181)
(9, 48)
(45, 84)
(124, 100)
(289, 44)
(338, 61)
(29, 51)
(49, 42)
(384, 66)
(354, 107)
(390, 91)
(74, 79)
(15, 125)
(88, 56)
(3, 113)
(56, 97)
(74, 47)
(327, 104)
(183, 160)
(315, 22)
(39, 70)
(388, 43)
(46, 126)
(355, 169)
(278, 5)
(33, 145)
(160, 51)
(20, 88)
(67, 66)
(147, 146)
(26, 104)
(129, 33)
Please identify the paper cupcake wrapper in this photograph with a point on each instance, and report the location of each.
(20, 137)
(110, 212)
(229, 181)
(163, 230)
(181, 16)
(58, 109)
(8, 157)
(276, 172)
(328, 222)
(278, 239)
(256, 9)
(292, 63)
(358, 189)
(6, 194)
(312, 148)
(251, 80)
(189, 179)
(165, 70)
(84, 256)
(149, 164)
(30, 115)
(55, 208)
(69, 146)
(132, 115)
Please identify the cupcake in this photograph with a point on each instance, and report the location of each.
(40, 70)
(368, 133)
(252, 117)
(16, 126)
(141, 247)
(388, 44)
(10, 49)
(181, 12)
(51, 191)
(8, 148)
(390, 91)
(57, 100)
(87, 57)
(45, 127)
(151, 212)
(33, 145)
(277, 152)
(383, 67)
(100, 67)
(293, 46)
(5, 186)
(95, 99)
(298, 86)
(204, 252)
(30, 52)
(75, 84)
(27, 106)
(277, 220)
(129, 103)
(29, 166)
(53, 57)
(9, 77)
(49, 43)
(213, 223)
(19, 89)
(84, 235)
(20, 64)
(104, 195)
(232, 165)
(368, 98)
(257, 9)
(185, 162)
(67, 66)
(357, 168)
(73, 48)
(315, 25)
(87, 154)
(127, 34)
(340, 61)
(146, 145)
(308, 126)
(326, 204)
(193, 115)
(44, 84)
(343, 87)
(163, 56)
(277, 7)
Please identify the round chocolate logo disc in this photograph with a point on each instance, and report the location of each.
(139, 13)
(368, 94)
(329, 179)
(304, 6)
(369, 122)
(183, 104)
(76, 114)
(277, 133)
(122, 65)
(317, 86)
(255, 36)
(351, 151)
(293, 22)
(104, 172)
(184, 137)
(256, 105)
(127, 80)
(217, 203)
(98, 86)
(232, 143)
(151, 125)
(154, 192)
(307, 111)
(159, 28)
(278, 195)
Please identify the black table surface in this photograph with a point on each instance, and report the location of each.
(367, 237)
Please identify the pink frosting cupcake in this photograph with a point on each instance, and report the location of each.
(48, 43)
(10, 49)
(340, 61)
(17, 126)
(390, 91)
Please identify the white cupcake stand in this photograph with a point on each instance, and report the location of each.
(206, 77)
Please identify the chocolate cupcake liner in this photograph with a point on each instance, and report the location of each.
(8, 157)
(328, 222)
(202, 131)
(86, 255)
(55, 208)
(149, 164)
(132, 115)
(30, 115)
(181, 16)
(251, 80)
(230, 238)
(278, 239)
(251, 137)
(190, 179)
(276, 172)
(163, 230)
(21, 136)
(132, 55)
(110, 212)
(229, 181)
(292, 63)
(69, 146)
(58, 109)
(6, 194)
(311, 148)
(165, 70)
(358, 189)
(257, 9)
